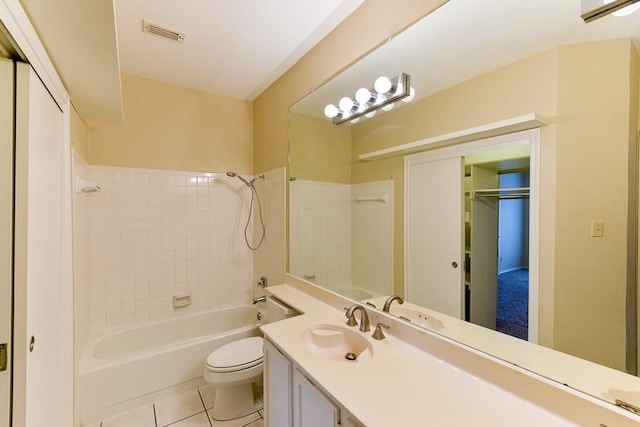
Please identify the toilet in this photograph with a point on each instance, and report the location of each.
(235, 370)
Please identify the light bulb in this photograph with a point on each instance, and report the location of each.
(354, 121)
(330, 111)
(370, 114)
(412, 94)
(379, 99)
(345, 104)
(363, 95)
(382, 84)
(388, 107)
(625, 10)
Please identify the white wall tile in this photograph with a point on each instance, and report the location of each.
(153, 233)
(332, 237)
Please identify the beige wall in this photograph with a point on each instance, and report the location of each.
(320, 151)
(175, 128)
(592, 184)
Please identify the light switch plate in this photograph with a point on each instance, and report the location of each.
(597, 228)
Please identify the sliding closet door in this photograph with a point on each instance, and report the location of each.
(41, 357)
(434, 234)
(6, 232)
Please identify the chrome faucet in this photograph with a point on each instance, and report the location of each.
(259, 299)
(392, 298)
(364, 318)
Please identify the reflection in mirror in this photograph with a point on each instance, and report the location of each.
(475, 65)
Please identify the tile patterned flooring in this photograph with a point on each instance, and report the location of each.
(188, 409)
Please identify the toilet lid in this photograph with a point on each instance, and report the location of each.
(237, 355)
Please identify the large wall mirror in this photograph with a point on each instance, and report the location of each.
(563, 96)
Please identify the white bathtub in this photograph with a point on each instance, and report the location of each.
(130, 367)
(354, 292)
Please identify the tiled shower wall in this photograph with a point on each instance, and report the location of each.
(154, 234)
(320, 238)
(372, 237)
(337, 242)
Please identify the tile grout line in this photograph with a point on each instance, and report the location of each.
(155, 417)
(205, 406)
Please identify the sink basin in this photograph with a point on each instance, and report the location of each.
(336, 342)
(417, 318)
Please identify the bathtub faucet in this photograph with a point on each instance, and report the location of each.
(259, 299)
(392, 298)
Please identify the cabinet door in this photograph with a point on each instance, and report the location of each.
(277, 387)
(311, 408)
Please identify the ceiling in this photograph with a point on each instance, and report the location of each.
(466, 38)
(233, 48)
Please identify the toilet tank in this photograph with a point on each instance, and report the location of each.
(277, 310)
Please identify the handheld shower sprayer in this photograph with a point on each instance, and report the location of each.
(248, 183)
(254, 195)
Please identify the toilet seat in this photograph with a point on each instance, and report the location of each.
(236, 356)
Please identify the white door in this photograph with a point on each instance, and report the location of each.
(6, 231)
(43, 354)
(434, 234)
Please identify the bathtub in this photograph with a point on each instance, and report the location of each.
(131, 367)
(354, 292)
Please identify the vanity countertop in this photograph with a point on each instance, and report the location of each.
(403, 385)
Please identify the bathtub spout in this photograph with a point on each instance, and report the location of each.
(259, 299)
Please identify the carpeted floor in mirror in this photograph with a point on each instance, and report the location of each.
(512, 315)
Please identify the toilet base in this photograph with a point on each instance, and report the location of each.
(235, 402)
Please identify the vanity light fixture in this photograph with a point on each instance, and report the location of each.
(594, 9)
(627, 10)
(386, 91)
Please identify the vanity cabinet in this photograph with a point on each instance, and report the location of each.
(278, 381)
(311, 407)
(291, 399)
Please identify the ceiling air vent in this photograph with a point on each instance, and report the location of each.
(156, 30)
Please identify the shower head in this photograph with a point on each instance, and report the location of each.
(233, 174)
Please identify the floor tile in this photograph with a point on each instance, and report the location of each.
(141, 417)
(199, 420)
(258, 423)
(177, 407)
(207, 392)
(92, 425)
(238, 422)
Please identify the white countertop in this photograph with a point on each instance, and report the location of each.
(450, 384)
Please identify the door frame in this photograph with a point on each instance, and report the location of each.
(7, 93)
(517, 139)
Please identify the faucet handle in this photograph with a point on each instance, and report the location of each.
(378, 334)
